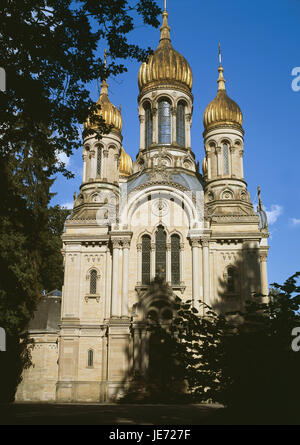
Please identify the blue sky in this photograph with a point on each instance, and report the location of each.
(260, 47)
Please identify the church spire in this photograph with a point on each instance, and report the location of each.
(165, 29)
(221, 80)
(104, 84)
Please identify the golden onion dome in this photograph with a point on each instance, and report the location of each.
(108, 111)
(125, 167)
(165, 66)
(222, 110)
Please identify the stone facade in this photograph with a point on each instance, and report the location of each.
(134, 220)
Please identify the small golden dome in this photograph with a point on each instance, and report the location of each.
(125, 167)
(165, 65)
(222, 110)
(108, 111)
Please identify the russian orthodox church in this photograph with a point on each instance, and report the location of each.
(133, 223)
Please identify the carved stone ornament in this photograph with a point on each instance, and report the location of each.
(126, 244)
(117, 243)
(205, 242)
(160, 207)
(195, 242)
(263, 256)
(159, 175)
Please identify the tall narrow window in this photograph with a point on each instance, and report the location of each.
(180, 124)
(146, 248)
(164, 122)
(93, 282)
(90, 358)
(99, 159)
(231, 280)
(175, 259)
(160, 250)
(148, 125)
(226, 159)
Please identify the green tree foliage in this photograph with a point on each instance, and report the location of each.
(243, 360)
(261, 367)
(49, 50)
(52, 261)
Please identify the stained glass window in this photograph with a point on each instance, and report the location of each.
(175, 259)
(226, 159)
(164, 122)
(161, 249)
(180, 124)
(146, 249)
(99, 156)
(93, 282)
(148, 126)
(90, 357)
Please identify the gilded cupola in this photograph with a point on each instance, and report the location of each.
(222, 110)
(108, 111)
(125, 167)
(165, 66)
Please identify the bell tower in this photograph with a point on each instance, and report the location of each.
(226, 189)
(238, 244)
(165, 106)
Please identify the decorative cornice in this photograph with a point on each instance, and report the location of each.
(158, 85)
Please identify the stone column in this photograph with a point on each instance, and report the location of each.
(105, 160)
(181, 264)
(168, 271)
(232, 170)
(263, 273)
(208, 157)
(125, 273)
(218, 152)
(144, 352)
(155, 125)
(152, 259)
(139, 264)
(136, 350)
(173, 126)
(107, 283)
(241, 153)
(88, 166)
(93, 164)
(195, 260)
(206, 277)
(188, 124)
(142, 131)
(84, 158)
(115, 279)
(116, 167)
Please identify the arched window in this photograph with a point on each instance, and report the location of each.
(175, 259)
(226, 159)
(160, 251)
(180, 124)
(148, 125)
(93, 282)
(99, 160)
(164, 122)
(90, 358)
(231, 280)
(146, 248)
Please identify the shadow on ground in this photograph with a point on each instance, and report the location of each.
(105, 414)
(110, 414)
